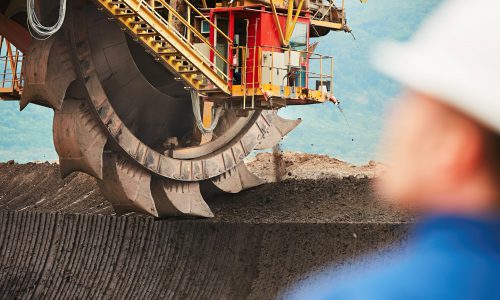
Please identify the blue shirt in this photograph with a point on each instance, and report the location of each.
(450, 258)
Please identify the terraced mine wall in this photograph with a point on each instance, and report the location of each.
(60, 240)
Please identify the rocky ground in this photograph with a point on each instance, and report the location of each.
(301, 188)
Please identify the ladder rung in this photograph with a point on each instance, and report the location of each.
(210, 90)
(191, 72)
(168, 54)
(187, 66)
(160, 41)
(147, 33)
(125, 14)
(147, 27)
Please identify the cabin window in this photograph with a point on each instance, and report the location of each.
(298, 41)
(205, 27)
(221, 44)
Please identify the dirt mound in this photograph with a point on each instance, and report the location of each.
(314, 188)
(297, 165)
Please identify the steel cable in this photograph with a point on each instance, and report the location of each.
(41, 31)
(195, 101)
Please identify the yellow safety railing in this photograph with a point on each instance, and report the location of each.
(11, 78)
(191, 30)
(194, 31)
(333, 5)
(167, 34)
(229, 40)
(313, 68)
(314, 75)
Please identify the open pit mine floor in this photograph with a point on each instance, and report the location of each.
(60, 239)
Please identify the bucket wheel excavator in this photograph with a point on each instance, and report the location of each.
(162, 100)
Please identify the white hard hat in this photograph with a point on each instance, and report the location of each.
(455, 57)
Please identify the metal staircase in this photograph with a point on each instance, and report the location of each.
(11, 78)
(160, 35)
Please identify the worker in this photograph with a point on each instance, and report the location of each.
(443, 153)
(236, 65)
(291, 76)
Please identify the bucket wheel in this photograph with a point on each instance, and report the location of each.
(125, 120)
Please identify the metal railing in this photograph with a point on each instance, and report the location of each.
(315, 70)
(323, 9)
(312, 68)
(189, 29)
(163, 29)
(11, 78)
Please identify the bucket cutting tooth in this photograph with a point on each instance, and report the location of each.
(237, 179)
(278, 129)
(127, 186)
(78, 139)
(177, 198)
(48, 71)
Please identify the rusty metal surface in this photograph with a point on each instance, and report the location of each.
(126, 186)
(78, 139)
(196, 169)
(48, 71)
(15, 33)
(280, 127)
(177, 198)
(236, 180)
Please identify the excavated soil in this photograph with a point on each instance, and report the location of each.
(301, 188)
(59, 238)
(296, 165)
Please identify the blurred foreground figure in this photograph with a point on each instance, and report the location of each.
(443, 149)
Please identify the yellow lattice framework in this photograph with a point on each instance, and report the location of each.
(11, 78)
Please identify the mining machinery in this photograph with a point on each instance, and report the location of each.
(162, 100)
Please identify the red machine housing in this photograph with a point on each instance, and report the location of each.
(258, 32)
